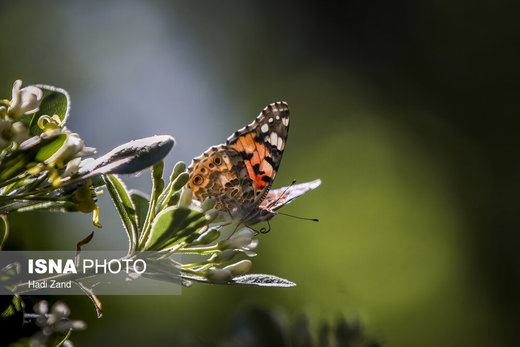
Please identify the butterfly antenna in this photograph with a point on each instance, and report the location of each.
(282, 195)
(290, 215)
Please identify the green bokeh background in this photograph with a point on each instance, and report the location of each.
(407, 111)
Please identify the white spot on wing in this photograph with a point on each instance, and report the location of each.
(274, 139)
(271, 121)
(285, 121)
(277, 117)
(264, 128)
(280, 143)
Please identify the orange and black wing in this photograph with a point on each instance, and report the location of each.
(240, 172)
(261, 145)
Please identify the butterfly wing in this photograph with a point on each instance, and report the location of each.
(278, 198)
(220, 173)
(239, 173)
(261, 145)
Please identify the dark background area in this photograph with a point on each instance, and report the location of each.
(408, 112)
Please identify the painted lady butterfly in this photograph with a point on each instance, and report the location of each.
(240, 172)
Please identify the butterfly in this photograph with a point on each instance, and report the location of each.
(240, 173)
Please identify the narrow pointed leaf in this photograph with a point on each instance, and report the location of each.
(4, 230)
(95, 300)
(81, 243)
(141, 203)
(256, 280)
(125, 207)
(11, 314)
(262, 280)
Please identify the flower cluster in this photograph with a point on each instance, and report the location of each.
(39, 154)
(55, 325)
(43, 164)
(25, 101)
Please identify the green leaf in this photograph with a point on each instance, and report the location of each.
(174, 185)
(179, 168)
(11, 316)
(141, 203)
(52, 206)
(16, 163)
(125, 207)
(180, 181)
(263, 280)
(157, 181)
(56, 101)
(49, 149)
(130, 157)
(172, 225)
(29, 156)
(22, 342)
(9, 277)
(4, 230)
(10, 306)
(255, 280)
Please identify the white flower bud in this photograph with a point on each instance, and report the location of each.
(60, 309)
(73, 145)
(214, 216)
(24, 101)
(253, 244)
(239, 240)
(78, 325)
(41, 307)
(225, 255)
(186, 197)
(208, 237)
(72, 148)
(72, 167)
(240, 268)
(20, 132)
(65, 325)
(208, 204)
(220, 276)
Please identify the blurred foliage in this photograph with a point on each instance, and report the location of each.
(406, 110)
(256, 327)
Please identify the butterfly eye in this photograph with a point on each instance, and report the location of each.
(198, 179)
(217, 161)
